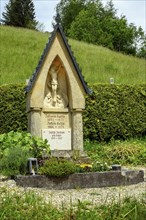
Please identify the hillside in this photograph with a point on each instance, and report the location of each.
(20, 51)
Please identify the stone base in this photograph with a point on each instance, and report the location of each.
(83, 180)
(68, 154)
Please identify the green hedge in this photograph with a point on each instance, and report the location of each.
(112, 111)
(12, 108)
(115, 112)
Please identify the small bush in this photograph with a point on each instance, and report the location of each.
(23, 140)
(58, 168)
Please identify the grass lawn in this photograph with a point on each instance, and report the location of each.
(28, 205)
(21, 49)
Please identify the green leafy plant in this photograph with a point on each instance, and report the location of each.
(14, 161)
(35, 145)
(58, 167)
(100, 167)
(16, 148)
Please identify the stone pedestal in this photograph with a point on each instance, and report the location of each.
(63, 129)
(34, 122)
(77, 130)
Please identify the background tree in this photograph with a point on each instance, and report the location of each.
(82, 28)
(142, 48)
(20, 13)
(68, 10)
(92, 22)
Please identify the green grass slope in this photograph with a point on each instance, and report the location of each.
(20, 51)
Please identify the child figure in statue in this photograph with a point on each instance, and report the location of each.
(55, 97)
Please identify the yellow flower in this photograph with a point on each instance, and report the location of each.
(84, 165)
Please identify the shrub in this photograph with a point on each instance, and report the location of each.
(12, 108)
(16, 148)
(115, 112)
(58, 168)
(112, 111)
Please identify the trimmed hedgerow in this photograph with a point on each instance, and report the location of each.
(112, 111)
(115, 112)
(12, 108)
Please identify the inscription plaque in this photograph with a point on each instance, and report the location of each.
(55, 121)
(59, 139)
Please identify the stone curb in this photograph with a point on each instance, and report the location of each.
(83, 180)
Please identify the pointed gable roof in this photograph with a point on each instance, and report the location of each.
(46, 50)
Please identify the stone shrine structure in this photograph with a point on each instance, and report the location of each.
(56, 96)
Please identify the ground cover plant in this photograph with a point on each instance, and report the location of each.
(129, 152)
(22, 48)
(28, 205)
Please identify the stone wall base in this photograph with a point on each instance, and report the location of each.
(82, 180)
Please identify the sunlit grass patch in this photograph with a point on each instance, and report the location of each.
(28, 205)
(21, 49)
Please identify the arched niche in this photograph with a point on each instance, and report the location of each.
(56, 86)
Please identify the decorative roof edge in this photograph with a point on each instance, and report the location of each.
(43, 56)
